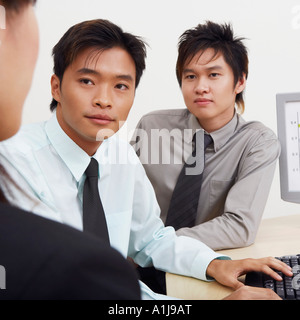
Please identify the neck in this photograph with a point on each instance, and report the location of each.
(89, 147)
(214, 124)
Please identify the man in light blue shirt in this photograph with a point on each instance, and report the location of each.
(97, 69)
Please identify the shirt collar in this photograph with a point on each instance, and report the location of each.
(193, 126)
(72, 155)
(221, 136)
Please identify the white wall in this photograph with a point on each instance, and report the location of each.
(272, 28)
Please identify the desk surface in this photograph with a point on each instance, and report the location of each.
(275, 237)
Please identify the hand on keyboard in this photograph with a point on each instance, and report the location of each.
(288, 288)
(227, 272)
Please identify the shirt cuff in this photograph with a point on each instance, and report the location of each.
(201, 263)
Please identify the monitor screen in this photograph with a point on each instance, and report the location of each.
(288, 124)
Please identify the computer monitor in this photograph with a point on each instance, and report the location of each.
(288, 125)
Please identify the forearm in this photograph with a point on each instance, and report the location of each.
(243, 209)
(220, 233)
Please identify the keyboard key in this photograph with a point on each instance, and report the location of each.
(290, 294)
(280, 292)
(294, 262)
(269, 284)
(288, 282)
(286, 261)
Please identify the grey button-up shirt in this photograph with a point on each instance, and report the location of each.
(239, 169)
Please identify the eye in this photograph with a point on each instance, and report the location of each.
(122, 86)
(214, 75)
(86, 81)
(190, 77)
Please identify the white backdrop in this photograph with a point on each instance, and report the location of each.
(272, 29)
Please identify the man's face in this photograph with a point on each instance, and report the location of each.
(95, 96)
(19, 44)
(209, 91)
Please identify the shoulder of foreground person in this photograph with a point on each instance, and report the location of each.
(44, 259)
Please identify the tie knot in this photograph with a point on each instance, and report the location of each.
(92, 169)
(207, 140)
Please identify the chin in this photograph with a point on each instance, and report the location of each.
(104, 134)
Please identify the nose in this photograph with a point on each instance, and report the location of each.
(102, 98)
(202, 86)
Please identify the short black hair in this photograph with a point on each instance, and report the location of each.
(101, 35)
(220, 38)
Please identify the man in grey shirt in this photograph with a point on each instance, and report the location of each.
(212, 69)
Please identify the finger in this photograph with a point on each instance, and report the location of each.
(280, 266)
(270, 272)
(279, 263)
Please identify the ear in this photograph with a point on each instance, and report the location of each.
(55, 87)
(241, 84)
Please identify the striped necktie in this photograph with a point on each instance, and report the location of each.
(184, 202)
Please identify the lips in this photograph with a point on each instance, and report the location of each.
(100, 118)
(202, 101)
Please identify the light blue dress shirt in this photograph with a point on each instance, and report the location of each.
(47, 168)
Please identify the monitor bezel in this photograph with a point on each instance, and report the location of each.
(281, 100)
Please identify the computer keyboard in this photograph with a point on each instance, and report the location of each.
(289, 288)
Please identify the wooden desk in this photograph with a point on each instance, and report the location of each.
(276, 237)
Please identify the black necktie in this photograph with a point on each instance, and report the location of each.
(184, 202)
(93, 213)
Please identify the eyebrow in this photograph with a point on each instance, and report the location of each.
(126, 77)
(216, 67)
(88, 71)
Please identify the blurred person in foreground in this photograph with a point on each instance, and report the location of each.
(43, 259)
